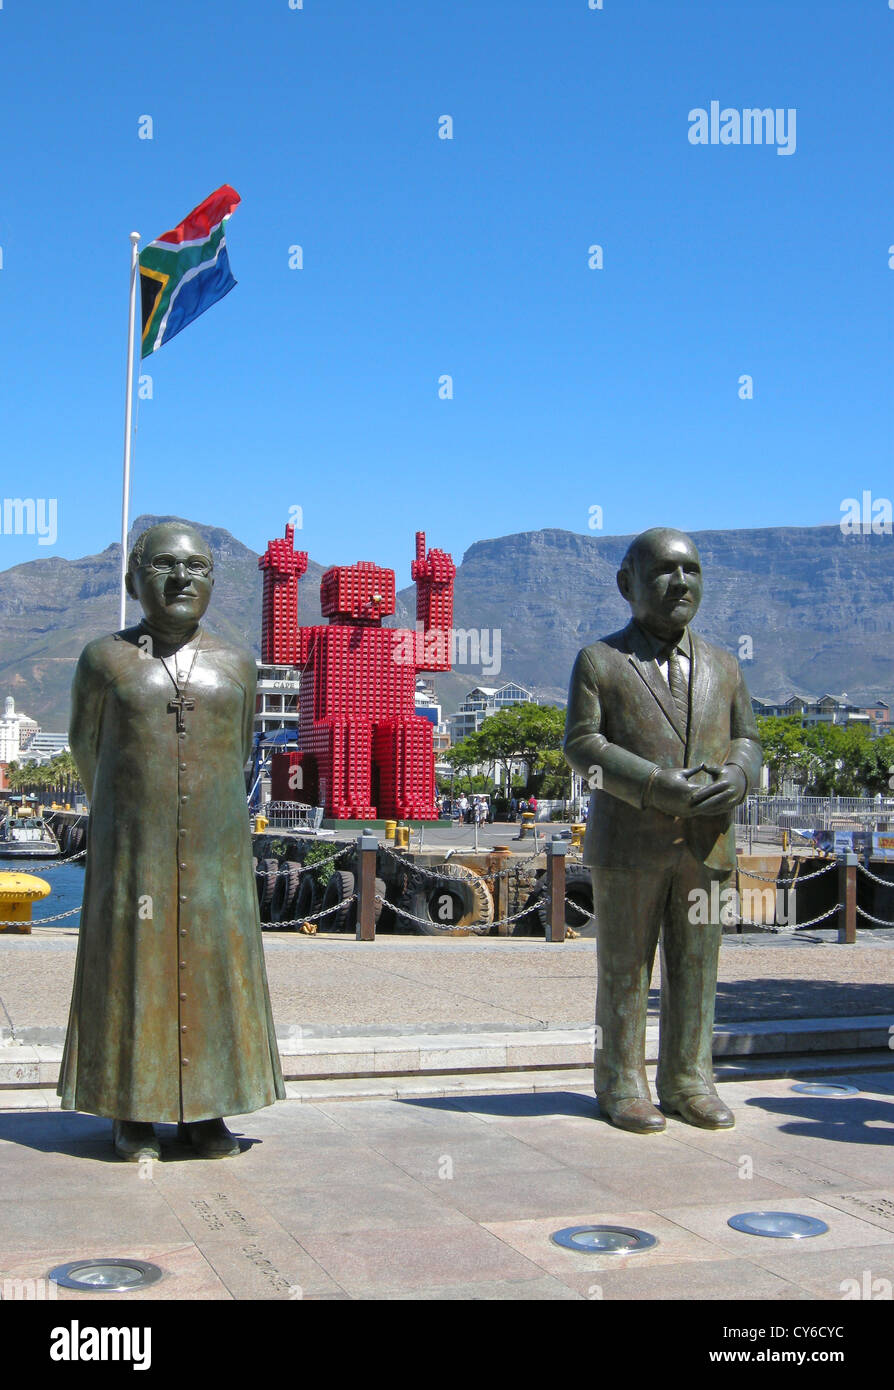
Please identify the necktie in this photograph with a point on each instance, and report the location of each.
(679, 686)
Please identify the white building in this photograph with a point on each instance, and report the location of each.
(276, 706)
(16, 732)
(426, 702)
(828, 709)
(42, 748)
(481, 703)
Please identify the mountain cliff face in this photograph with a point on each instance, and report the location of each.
(816, 604)
(50, 608)
(818, 607)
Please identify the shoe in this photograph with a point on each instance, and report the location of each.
(707, 1112)
(639, 1116)
(210, 1139)
(134, 1139)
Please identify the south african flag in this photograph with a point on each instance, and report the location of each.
(186, 270)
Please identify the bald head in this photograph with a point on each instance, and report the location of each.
(660, 541)
(661, 578)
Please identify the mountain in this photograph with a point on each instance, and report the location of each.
(818, 607)
(816, 604)
(49, 609)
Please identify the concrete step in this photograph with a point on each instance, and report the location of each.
(413, 1055)
(433, 1085)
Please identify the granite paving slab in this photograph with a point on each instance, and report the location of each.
(456, 1198)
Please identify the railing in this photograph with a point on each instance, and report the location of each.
(359, 906)
(818, 811)
(842, 914)
(365, 895)
(293, 815)
(362, 902)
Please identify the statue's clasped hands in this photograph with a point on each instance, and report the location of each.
(672, 790)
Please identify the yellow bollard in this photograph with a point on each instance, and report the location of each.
(261, 823)
(527, 824)
(390, 829)
(577, 835)
(403, 837)
(17, 893)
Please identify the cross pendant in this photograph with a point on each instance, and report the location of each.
(176, 705)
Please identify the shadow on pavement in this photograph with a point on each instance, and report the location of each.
(847, 1120)
(90, 1136)
(740, 1001)
(68, 1132)
(525, 1104)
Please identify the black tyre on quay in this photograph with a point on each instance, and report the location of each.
(578, 905)
(77, 837)
(282, 904)
(448, 898)
(340, 893)
(307, 899)
(266, 875)
(380, 903)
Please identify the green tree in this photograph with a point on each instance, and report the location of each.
(878, 766)
(839, 759)
(826, 759)
(785, 751)
(556, 776)
(24, 777)
(525, 733)
(61, 776)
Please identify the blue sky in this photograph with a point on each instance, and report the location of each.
(573, 388)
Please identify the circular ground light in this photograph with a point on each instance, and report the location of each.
(825, 1088)
(105, 1276)
(782, 1225)
(604, 1240)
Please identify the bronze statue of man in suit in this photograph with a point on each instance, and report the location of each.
(661, 727)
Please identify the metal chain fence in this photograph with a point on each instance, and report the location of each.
(884, 882)
(39, 921)
(795, 878)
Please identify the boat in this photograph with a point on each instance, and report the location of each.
(27, 837)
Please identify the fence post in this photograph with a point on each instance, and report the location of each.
(555, 885)
(501, 892)
(847, 899)
(366, 887)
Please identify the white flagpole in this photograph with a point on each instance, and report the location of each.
(128, 413)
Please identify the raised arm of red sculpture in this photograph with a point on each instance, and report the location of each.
(434, 574)
(282, 641)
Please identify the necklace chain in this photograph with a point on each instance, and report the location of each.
(176, 684)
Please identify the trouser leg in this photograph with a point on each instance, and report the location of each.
(690, 946)
(628, 904)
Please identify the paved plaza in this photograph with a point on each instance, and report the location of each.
(328, 983)
(456, 1198)
(385, 1180)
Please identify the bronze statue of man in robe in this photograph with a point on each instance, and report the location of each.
(170, 1015)
(661, 728)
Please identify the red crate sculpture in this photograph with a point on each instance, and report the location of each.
(363, 752)
(282, 564)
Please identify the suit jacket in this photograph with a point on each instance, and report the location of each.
(622, 723)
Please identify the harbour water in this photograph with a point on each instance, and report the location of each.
(66, 882)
